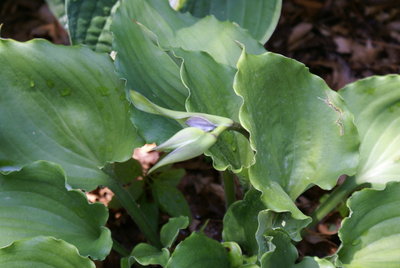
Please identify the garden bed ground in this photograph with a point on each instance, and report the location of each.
(339, 40)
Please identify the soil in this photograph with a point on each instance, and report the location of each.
(339, 40)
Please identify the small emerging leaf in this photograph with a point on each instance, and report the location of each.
(199, 251)
(170, 230)
(146, 254)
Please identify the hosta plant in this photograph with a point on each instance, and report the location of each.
(194, 79)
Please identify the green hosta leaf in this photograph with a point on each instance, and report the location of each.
(89, 22)
(170, 230)
(171, 177)
(146, 254)
(199, 251)
(42, 252)
(34, 202)
(301, 130)
(371, 235)
(68, 108)
(280, 251)
(375, 103)
(150, 210)
(260, 17)
(170, 199)
(240, 222)
(234, 254)
(127, 171)
(247, 220)
(211, 91)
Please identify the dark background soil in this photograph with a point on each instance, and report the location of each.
(339, 40)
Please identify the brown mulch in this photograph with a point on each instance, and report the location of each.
(339, 40)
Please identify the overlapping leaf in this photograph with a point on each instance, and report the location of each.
(301, 130)
(375, 103)
(35, 202)
(42, 252)
(155, 72)
(211, 91)
(89, 22)
(69, 108)
(371, 235)
(260, 17)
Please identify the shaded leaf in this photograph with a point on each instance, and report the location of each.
(127, 171)
(34, 202)
(42, 252)
(68, 108)
(170, 199)
(207, 253)
(146, 254)
(241, 222)
(171, 229)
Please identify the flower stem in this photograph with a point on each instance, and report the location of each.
(335, 198)
(229, 187)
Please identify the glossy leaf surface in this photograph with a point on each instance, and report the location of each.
(259, 17)
(299, 128)
(68, 108)
(375, 103)
(34, 202)
(89, 22)
(371, 234)
(199, 251)
(42, 252)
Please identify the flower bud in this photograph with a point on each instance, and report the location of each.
(187, 143)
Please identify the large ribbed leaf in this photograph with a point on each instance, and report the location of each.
(42, 252)
(34, 202)
(89, 22)
(211, 91)
(259, 17)
(371, 235)
(301, 130)
(67, 108)
(375, 103)
(199, 251)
